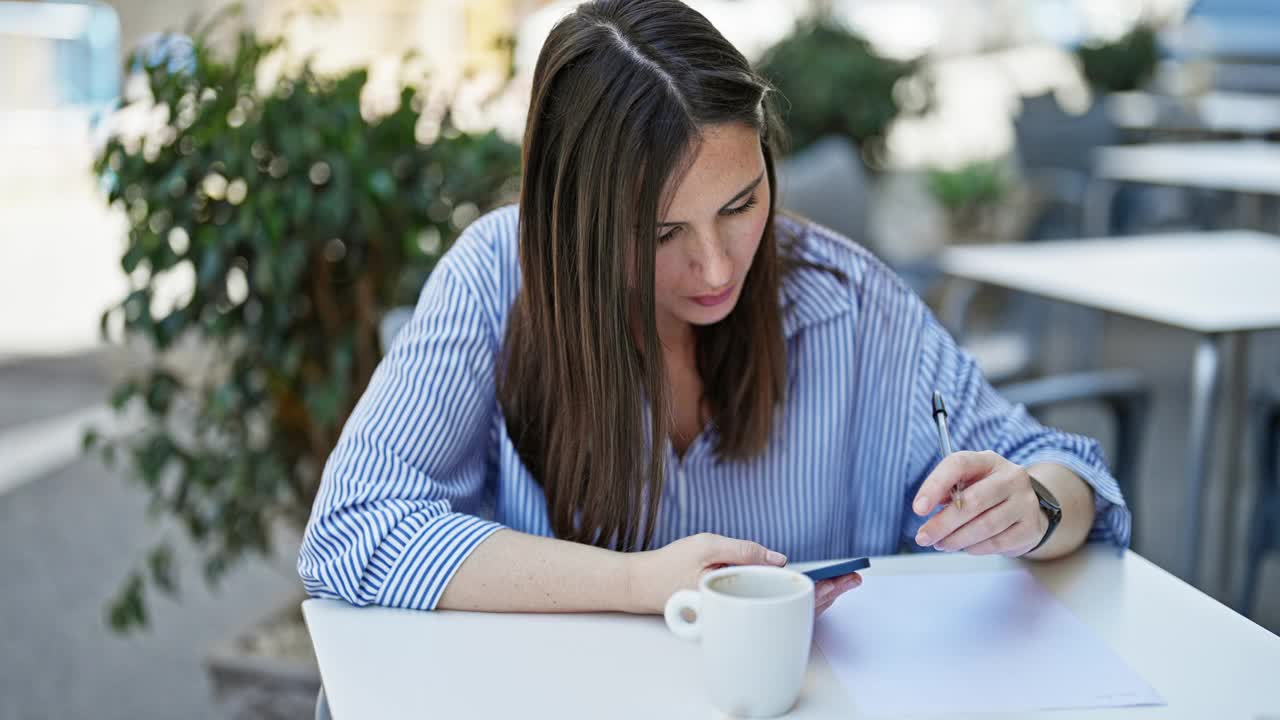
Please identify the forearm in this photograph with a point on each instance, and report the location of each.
(1076, 498)
(516, 572)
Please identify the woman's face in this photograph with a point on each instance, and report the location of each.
(711, 230)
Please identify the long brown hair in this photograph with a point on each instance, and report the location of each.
(620, 92)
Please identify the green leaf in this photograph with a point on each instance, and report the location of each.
(152, 456)
(160, 391)
(1123, 64)
(381, 184)
(263, 385)
(160, 564)
(322, 403)
(122, 393)
(169, 328)
(132, 257)
(211, 270)
(818, 103)
(197, 528)
(104, 325)
(127, 610)
(214, 568)
(109, 456)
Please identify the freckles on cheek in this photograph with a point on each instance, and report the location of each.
(750, 242)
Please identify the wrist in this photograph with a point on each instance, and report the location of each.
(631, 583)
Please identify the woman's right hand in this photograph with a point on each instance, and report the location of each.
(654, 575)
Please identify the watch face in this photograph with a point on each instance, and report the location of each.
(1050, 507)
(1047, 500)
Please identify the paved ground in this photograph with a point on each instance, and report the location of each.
(35, 389)
(67, 539)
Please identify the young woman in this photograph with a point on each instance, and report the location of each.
(643, 372)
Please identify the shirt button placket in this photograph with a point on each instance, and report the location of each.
(682, 498)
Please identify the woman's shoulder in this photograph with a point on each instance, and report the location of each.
(818, 244)
(814, 292)
(492, 239)
(485, 258)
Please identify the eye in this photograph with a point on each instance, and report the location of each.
(668, 234)
(750, 203)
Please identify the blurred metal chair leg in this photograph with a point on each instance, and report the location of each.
(322, 706)
(1264, 526)
(1125, 393)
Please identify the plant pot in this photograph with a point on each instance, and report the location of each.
(268, 671)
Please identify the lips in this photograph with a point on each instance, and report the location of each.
(713, 300)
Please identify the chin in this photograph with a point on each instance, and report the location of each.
(705, 319)
(699, 315)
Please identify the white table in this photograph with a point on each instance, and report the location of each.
(1235, 113)
(1205, 660)
(1212, 283)
(1248, 168)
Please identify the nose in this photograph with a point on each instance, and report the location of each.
(709, 258)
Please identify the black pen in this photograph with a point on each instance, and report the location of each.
(944, 440)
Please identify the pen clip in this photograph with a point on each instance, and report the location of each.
(944, 442)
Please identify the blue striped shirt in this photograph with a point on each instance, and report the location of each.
(425, 470)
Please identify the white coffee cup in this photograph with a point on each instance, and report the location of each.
(755, 624)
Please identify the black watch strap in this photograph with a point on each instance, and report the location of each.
(1051, 508)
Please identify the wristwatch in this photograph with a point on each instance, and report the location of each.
(1051, 508)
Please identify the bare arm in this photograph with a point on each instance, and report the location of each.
(515, 572)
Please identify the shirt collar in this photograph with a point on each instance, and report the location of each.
(811, 296)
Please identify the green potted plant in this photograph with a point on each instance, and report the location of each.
(838, 98)
(298, 217)
(1125, 63)
(971, 197)
(834, 82)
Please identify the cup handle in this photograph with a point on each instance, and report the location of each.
(680, 601)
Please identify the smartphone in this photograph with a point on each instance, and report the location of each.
(837, 569)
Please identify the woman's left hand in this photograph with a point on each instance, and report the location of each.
(999, 514)
(825, 592)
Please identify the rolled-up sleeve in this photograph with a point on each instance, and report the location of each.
(391, 522)
(979, 418)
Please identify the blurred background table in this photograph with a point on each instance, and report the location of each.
(1216, 284)
(1250, 169)
(1242, 114)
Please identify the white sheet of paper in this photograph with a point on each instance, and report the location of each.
(970, 642)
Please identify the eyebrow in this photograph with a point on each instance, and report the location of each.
(741, 194)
